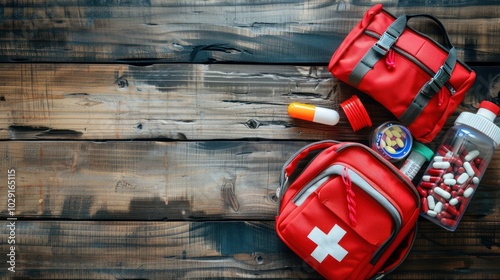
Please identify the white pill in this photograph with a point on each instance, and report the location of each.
(454, 201)
(468, 168)
(472, 155)
(450, 182)
(441, 164)
(444, 194)
(431, 202)
(438, 158)
(468, 192)
(439, 207)
(475, 180)
(448, 176)
(431, 213)
(462, 178)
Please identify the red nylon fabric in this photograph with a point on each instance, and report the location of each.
(324, 216)
(396, 87)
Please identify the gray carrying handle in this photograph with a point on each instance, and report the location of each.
(382, 47)
(436, 83)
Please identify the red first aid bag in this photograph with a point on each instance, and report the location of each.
(416, 78)
(346, 211)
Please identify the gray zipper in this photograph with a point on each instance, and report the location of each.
(413, 60)
(283, 180)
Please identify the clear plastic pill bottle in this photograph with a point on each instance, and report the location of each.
(458, 165)
(418, 156)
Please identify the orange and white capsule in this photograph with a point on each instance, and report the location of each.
(313, 113)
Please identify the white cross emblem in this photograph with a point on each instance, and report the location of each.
(328, 244)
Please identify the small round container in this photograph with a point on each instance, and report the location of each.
(418, 156)
(392, 140)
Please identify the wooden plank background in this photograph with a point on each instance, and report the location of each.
(183, 101)
(148, 136)
(219, 31)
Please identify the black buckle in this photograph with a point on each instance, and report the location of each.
(430, 88)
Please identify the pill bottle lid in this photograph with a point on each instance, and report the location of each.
(423, 150)
(356, 113)
(488, 110)
(483, 120)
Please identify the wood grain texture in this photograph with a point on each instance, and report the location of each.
(223, 249)
(185, 101)
(147, 137)
(218, 31)
(145, 180)
(164, 180)
(151, 250)
(181, 102)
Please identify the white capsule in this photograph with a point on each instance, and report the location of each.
(448, 176)
(475, 180)
(468, 192)
(472, 155)
(431, 213)
(468, 168)
(462, 178)
(454, 201)
(439, 207)
(444, 194)
(450, 182)
(441, 164)
(431, 202)
(438, 158)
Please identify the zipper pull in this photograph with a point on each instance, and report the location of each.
(351, 204)
(440, 97)
(389, 60)
(441, 93)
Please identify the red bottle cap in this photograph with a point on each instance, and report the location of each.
(356, 113)
(490, 106)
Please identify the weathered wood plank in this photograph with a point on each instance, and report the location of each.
(471, 252)
(218, 31)
(148, 250)
(145, 180)
(163, 180)
(183, 101)
(202, 250)
(161, 101)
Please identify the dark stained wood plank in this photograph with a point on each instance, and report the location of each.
(471, 252)
(150, 250)
(218, 31)
(145, 180)
(164, 180)
(202, 250)
(184, 101)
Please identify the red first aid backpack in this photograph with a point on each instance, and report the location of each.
(346, 211)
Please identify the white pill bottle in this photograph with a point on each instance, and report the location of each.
(458, 165)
